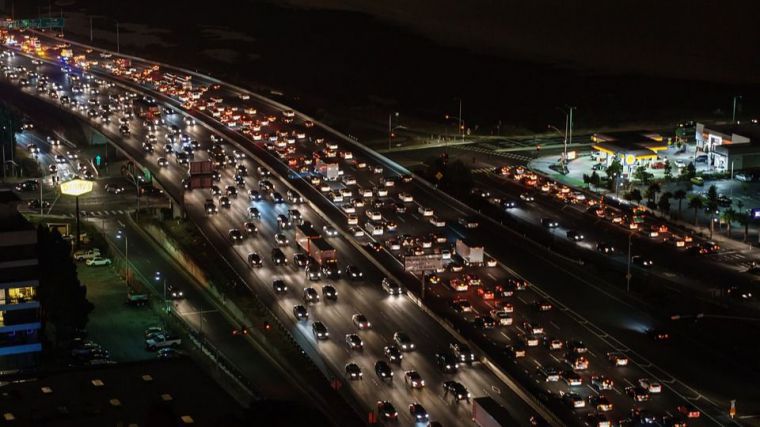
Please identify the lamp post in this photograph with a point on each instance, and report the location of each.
(628, 266)
(459, 120)
(733, 113)
(121, 234)
(157, 277)
(390, 127)
(76, 188)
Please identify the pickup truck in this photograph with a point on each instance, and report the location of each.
(138, 299)
(162, 341)
(84, 255)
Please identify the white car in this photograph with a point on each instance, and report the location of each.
(96, 261)
(650, 386)
(406, 197)
(356, 231)
(352, 219)
(425, 211)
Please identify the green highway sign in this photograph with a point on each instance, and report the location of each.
(24, 24)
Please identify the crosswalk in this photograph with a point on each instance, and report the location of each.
(103, 213)
(505, 154)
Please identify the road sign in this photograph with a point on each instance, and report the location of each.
(439, 176)
(98, 160)
(423, 263)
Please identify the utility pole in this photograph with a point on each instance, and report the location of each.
(461, 124)
(90, 29)
(628, 267)
(733, 114)
(390, 127)
(117, 38)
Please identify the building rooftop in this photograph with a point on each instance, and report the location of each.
(748, 130)
(160, 392)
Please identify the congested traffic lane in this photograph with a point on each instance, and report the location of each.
(474, 380)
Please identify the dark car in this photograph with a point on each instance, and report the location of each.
(383, 370)
(301, 260)
(393, 354)
(549, 223)
(418, 413)
(329, 292)
(354, 273)
(386, 410)
(320, 331)
(279, 286)
(300, 312)
(353, 371)
(457, 390)
(278, 257)
(173, 292)
(254, 260)
(462, 352)
(641, 261)
(575, 235)
(605, 247)
(446, 362)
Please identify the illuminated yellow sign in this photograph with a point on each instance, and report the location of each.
(76, 187)
(630, 159)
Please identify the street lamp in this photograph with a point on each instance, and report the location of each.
(157, 278)
(390, 127)
(563, 160)
(121, 234)
(459, 119)
(76, 188)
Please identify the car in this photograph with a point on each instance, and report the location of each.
(600, 382)
(572, 379)
(574, 400)
(393, 354)
(641, 416)
(413, 379)
(469, 222)
(658, 335)
(280, 239)
(353, 371)
(224, 202)
(554, 343)
(617, 359)
(600, 403)
(114, 189)
(301, 260)
(235, 235)
(653, 387)
(254, 259)
(527, 197)
(386, 410)
(576, 346)
(543, 305)
(354, 273)
(446, 362)
(549, 223)
(403, 341)
(167, 353)
(605, 247)
(250, 228)
(320, 330)
(162, 341)
(637, 393)
(391, 287)
(484, 322)
(641, 261)
(98, 261)
(313, 272)
(330, 231)
(300, 312)
(549, 374)
(278, 257)
(310, 295)
(174, 292)
(462, 352)
(279, 286)
(457, 390)
(688, 411)
(254, 213)
(418, 413)
(673, 421)
(383, 370)
(574, 235)
(354, 342)
(461, 306)
(361, 321)
(330, 293)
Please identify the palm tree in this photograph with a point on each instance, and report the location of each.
(652, 191)
(696, 203)
(728, 216)
(743, 219)
(679, 195)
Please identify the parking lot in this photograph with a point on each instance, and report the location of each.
(113, 324)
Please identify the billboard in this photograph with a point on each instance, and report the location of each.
(423, 263)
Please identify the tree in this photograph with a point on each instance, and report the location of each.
(728, 216)
(63, 299)
(10, 125)
(652, 190)
(642, 175)
(614, 169)
(668, 170)
(635, 195)
(679, 195)
(689, 172)
(696, 203)
(664, 203)
(712, 198)
(743, 219)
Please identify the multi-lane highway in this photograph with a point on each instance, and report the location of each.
(390, 314)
